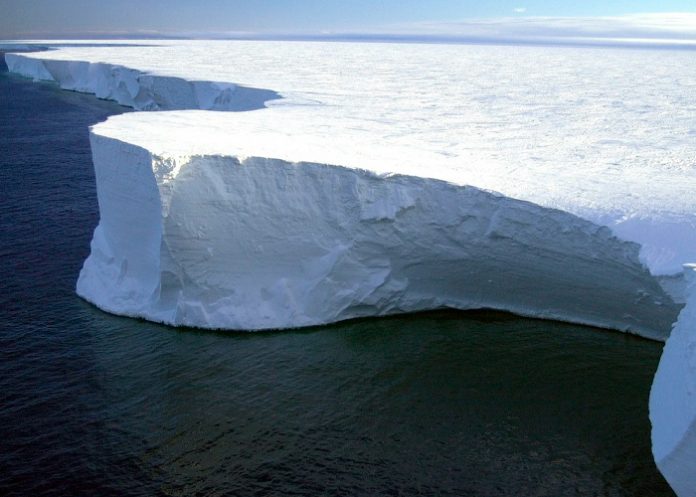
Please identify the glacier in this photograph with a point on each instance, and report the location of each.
(374, 179)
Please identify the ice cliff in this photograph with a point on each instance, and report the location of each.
(138, 90)
(673, 400)
(368, 191)
(601, 138)
(243, 258)
(257, 243)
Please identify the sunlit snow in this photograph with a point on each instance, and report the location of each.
(607, 134)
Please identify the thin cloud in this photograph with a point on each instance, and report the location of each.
(672, 26)
(520, 10)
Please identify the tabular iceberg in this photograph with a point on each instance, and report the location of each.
(599, 137)
(332, 266)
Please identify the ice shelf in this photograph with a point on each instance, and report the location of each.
(314, 126)
(599, 137)
(377, 179)
(138, 90)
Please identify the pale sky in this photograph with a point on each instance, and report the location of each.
(201, 18)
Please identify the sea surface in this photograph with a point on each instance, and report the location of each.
(443, 403)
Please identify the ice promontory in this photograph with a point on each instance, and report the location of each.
(250, 242)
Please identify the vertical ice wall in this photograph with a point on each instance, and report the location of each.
(260, 243)
(673, 400)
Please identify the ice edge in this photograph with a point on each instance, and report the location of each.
(673, 400)
(350, 243)
(150, 92)
(143, 91)
(139, 90)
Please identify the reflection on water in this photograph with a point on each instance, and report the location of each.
(445, 403)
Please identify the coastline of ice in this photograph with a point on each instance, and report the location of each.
(139, 90)
(297, 129)
(379, 173)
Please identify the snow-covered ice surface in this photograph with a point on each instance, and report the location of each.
(607, 134)
(586, 131)
(673, 401)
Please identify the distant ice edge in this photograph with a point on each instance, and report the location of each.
(261, 243)
(138, 90)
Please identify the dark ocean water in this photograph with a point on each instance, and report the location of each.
(466, 404)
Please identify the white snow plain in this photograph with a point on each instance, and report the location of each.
(367, 189)
(614, 128)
